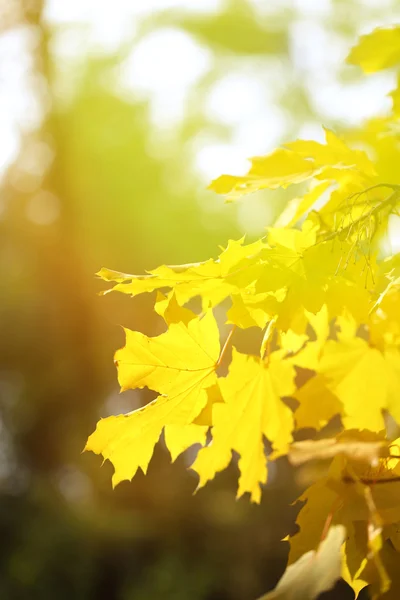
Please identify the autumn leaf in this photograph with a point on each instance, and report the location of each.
(354, 556)
(334, 157)
(180, 437)
(214, 280)
(324, 300)
(181, 377)
(395, 95)
(319, 501)
(294, 163)
(357, 450)
(314, 573)
(317, 404)
(169, 309)
(362, 492)
(307, 351)
(364, 380)
(253, 408)
(307, 274)
(250, 309)
(390, 559)
(377, 50)
(279, 169)
(299, 206)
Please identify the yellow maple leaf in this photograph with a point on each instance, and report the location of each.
(364, 380)
(180, 437)
(299, 206)
(359, 458)
(311, 274)
(348, 496)
(250, 309)
(297, 162)
(253, 408)
(281, 168)
(171, 362)
(377, 50)
(214, 280)
(319, 500)
(317, 404)
(384, 320)
(307, 351)
(390, 560)
(296, 265)
(395, 95)
(169, 309)
(354, 556)
(180, 364)
(334, 157)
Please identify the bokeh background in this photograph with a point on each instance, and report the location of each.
(114, 116)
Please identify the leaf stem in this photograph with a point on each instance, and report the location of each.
(225, 346)
(335, 507)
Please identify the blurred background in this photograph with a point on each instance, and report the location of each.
(114, 116)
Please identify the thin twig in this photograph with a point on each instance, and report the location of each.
(374, 211)
(370, 480)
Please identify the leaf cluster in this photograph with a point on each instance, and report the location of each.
(327, 300)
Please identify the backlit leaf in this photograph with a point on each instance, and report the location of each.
(236, 267)
(253, 408)
(314, 573)
(365, 381)
(294, 163)
(182, 377)
(377, 50)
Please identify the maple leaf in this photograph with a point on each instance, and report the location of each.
(328, 305)
(384, 321)
(377, 50)
(214, 280)
(364, 380)
(314, 573)
(250, 309)
(317, 404)
(390, 560)
(169, 309)
(159, 363)
(334, 157)
(279, 169)
(179, 438)
(252, 408)
(310, 275)
(297, 266)
(361, 491)
(294, 163)
(319, 501)
(299, 206)
(180, 364)
(354, 556)
(395, 95)
(306, 351)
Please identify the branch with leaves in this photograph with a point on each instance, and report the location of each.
(328, 300)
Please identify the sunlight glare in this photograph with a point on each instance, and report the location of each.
(163, 66)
